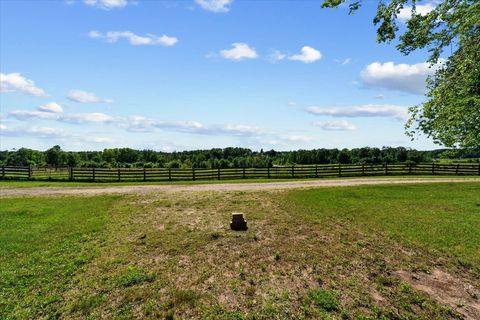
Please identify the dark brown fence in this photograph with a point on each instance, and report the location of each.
(283, 172)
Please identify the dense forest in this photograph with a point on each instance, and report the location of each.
(225, 158)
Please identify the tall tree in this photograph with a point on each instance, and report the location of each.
(451, 113)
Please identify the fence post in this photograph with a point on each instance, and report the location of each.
(70, 173)
(339, 170)
(433, 168)
(268, 172)
(93, 174)
(169, 174)
(218, 173)
(409, 168)
(316, 171)
(118, 174)
(293, 171)
(193, 174)
(29, 172)
(363, 169)
(386, 169)
(3, 172)
(243, 173)
(144, 174)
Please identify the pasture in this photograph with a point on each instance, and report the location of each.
(358, 252)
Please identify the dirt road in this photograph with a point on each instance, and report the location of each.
(218, 187)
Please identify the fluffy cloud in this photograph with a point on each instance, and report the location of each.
(368, 110)
(94, 117)
(86, 97)
(51, 107)
(215, 5)
(276, 56)
(408, 78)
(340, 125)
(239, 52)
(421, 9)
(106, 4)
(76, 118)
(307, 55)
(134, 39)
(51, 133)
(15, 82)
(144, 124)
(27, 114)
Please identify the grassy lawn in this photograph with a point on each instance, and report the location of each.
(329, 253)
(52, 183)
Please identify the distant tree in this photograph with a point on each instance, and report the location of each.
(53, 156)
(72, 159)
(343, 157)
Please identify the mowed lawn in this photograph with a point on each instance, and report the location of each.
(326, 253)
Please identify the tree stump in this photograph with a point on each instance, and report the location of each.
(238, 222)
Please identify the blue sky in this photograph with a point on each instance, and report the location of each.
(178, 75)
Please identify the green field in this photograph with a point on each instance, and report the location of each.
(53, 183)
(328, 253)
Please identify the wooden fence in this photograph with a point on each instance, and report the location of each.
(193, 174)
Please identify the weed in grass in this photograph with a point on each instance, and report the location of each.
(276, 255)
(86, 305)
(386, 281)
(132, 276)
(181, 297)
(215, 235)
(325, 299)
(242, 273)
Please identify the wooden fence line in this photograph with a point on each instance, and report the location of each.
(193, 174)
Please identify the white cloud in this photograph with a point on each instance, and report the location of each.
(307, 55)
(15, 82)
(238, 130)
(106, 4)
(86, 97)
(52, 133)
(134, 39)
(76, 118)
(239, 52)
(215, 5)
(421, 9)
(368, 110)
(408, 78)
(340, 125)
(94, 117)
(276, 56)
(346, 61)
(27, 114)
(51, 107)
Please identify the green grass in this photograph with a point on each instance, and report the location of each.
(329, 253)
(43, 243)
(52, 183)
(440, 218)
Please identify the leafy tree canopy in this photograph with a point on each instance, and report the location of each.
(450, 115)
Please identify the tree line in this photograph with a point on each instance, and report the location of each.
(224, 158)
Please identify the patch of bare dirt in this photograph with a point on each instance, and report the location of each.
(218, 187)
(446, 289)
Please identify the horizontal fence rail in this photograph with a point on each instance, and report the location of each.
(193, 174)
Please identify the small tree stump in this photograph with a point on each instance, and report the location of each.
(238, 223)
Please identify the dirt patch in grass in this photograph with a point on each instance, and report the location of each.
(446, 289)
